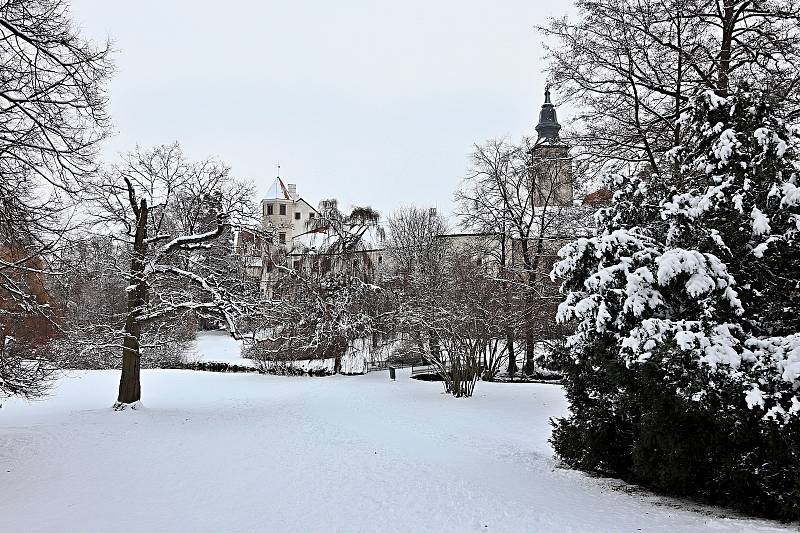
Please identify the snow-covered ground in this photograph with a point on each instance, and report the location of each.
(247, 452)
(220, 347)
(217, 347)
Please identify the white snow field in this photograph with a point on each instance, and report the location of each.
(213, 452)
(217, 347)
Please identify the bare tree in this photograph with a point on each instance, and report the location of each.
(416, 246)
(454, 320)
(167, 212)
(325, 299)
(419, 252)
(523, 194)
(52, 117)
(27, 321)
(92, 301)
(451, 306)
(346, 234)
(317, 317)
(632, 66)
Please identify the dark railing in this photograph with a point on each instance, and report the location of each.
(373, 366)
(423, 369)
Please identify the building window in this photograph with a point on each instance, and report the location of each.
(282, 238)
(380, 259)
(283, 209)
(297, 265)
(479, 261)
(297, 216)
(269, 209)
(311, 215)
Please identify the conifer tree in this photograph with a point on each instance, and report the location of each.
(685, 365)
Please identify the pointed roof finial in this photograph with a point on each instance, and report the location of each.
(548, 126)
(279, 169)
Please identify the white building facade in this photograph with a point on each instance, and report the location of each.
(286, 213)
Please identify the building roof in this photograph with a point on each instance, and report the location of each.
(299, 199)
(277, 191)
(601, 196)
(548, 126)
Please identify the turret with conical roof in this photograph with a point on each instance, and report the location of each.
(548, 126)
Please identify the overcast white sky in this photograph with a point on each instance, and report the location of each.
(372, 102)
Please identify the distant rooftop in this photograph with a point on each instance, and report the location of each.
(280, 191)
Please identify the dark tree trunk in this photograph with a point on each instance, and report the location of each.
(512, 354)
(530, 352)
(531, 258)
(339, 349)
(433, 344)
(723, 77)
(130, 390)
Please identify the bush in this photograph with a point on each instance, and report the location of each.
(215, 366)
(718, 450)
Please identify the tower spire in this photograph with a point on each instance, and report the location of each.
(548, 126)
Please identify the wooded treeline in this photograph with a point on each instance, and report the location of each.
(117, 263)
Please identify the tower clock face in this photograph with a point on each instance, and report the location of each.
(548, 114)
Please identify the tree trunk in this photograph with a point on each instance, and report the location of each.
(530, 324)
(677, 175)
(723, 78)
(531, 264)
(433, 344)
(530, 352)
(339, 349)
(130, 390)
(512, 354)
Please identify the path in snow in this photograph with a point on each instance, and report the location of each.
(246, 452)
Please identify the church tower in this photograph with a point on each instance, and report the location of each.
(548, 126)
(552, 166)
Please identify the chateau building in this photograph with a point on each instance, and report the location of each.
(298, 243)
(285, 212)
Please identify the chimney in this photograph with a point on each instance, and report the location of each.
(432, 211)
(292, 190)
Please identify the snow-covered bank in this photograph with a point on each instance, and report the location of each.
(220, 347)
(217, 347)
(248, 452)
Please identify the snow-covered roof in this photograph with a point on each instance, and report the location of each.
(323, 239)
(309, 241)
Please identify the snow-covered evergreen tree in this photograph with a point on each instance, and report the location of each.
(687, 306)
